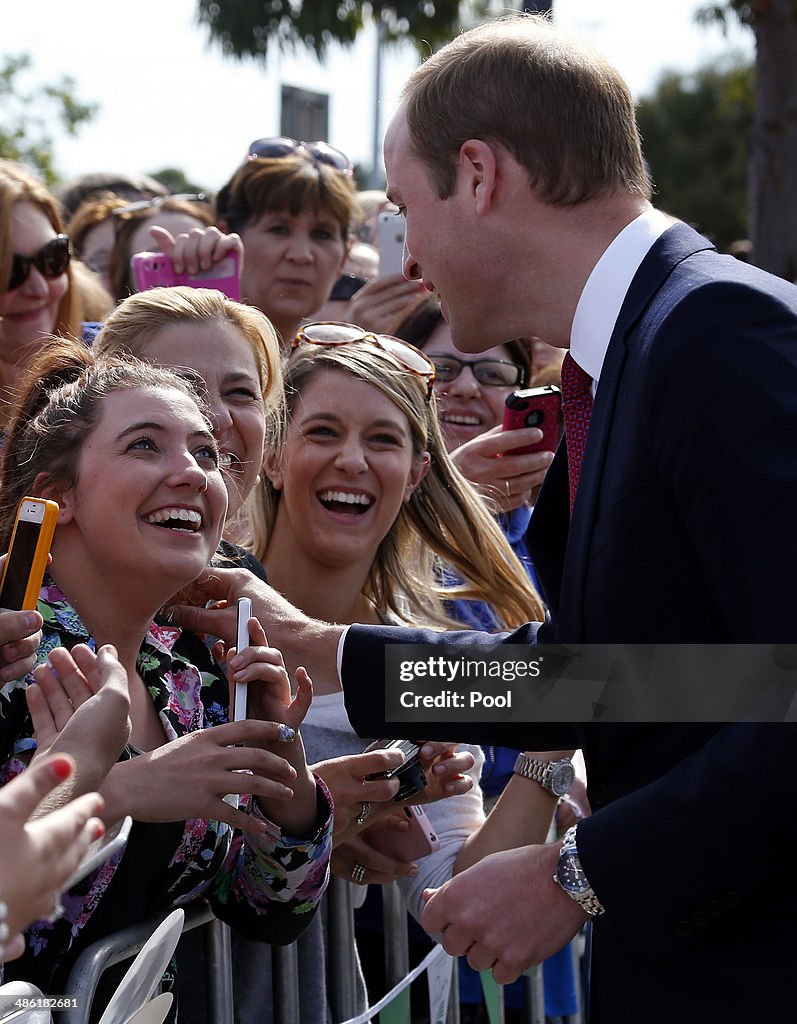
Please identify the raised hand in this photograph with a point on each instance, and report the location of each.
(79, 705)
(508, 480)
(37, 857)
(351, 791)
(198, 249)
(189, 777)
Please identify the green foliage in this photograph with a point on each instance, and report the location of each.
(26, 111)
(696, 133)
(723, 14)
(249, 28)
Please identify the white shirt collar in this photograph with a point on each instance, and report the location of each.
(606, 288)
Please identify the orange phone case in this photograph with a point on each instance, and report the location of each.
(26, 561)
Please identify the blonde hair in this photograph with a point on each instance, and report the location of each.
(444, 523)
(138, 318)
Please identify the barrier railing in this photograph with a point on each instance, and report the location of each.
(125, 944)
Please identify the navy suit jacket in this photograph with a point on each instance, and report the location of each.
(684, 531)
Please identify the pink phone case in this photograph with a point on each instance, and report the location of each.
(534, 407)
(155, 270)
(418, 841)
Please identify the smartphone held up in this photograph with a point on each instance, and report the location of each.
(535, 407)
(28, 551)
(156, 270)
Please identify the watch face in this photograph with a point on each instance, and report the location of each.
(562, 775)
(569, 874)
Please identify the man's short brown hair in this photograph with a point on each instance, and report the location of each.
(560, 109)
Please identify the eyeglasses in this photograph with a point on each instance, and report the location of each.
(493, 373)
(333, 332)
(51, 261)
(281, 146)
(154, 203)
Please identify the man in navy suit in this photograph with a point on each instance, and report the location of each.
(516, 161)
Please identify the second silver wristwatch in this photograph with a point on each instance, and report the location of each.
(555, 776)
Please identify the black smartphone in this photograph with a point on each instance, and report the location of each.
(410, 773)
(345, 287)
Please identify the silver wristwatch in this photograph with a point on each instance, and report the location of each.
(570, 875)
(555, 776)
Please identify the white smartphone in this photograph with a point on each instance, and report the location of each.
(391, 243)
(101, 850)
(241, 641)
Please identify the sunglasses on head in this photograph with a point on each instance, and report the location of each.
(51, 261)
(154, 203)
(332, 333)
(494, 373)
(282, 146)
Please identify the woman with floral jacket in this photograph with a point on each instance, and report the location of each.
(129, 455)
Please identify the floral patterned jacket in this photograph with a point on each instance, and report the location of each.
(266, 889)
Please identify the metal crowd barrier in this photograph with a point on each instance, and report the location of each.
(125, 944)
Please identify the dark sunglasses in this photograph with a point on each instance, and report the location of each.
(332, 333)
(281, 146)
(493, 373)
(51, 261)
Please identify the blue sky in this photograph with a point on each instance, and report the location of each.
(168, 99)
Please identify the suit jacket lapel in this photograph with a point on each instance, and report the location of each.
(675, 245)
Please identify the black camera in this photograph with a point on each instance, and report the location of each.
(410, 772)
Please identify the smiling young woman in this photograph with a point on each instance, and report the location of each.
(127, 450)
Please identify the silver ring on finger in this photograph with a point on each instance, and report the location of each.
(358, 873)
(508, 488)
(365, 810)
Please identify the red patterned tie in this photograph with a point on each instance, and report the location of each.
(576, 411)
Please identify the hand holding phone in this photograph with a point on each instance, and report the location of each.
(242, 641)
(24, 566)
(535, 407)
(156, 270)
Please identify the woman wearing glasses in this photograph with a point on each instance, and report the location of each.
(37, 297)
(471, 394)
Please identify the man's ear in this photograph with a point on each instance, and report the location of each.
(420, 467)
(477, 163)
(273, 470)
(45, 486)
